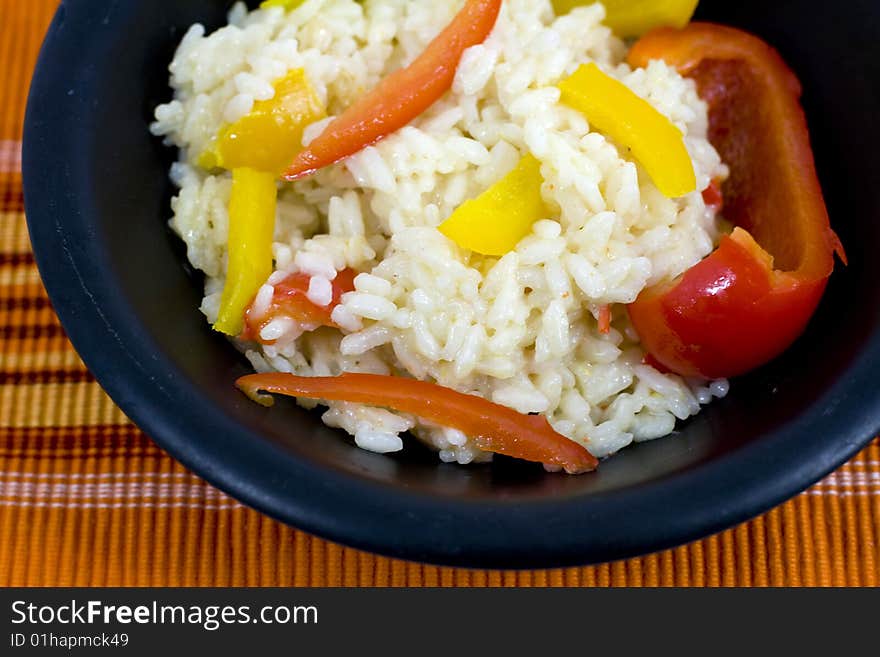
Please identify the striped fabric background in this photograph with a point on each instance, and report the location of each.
(87, 499)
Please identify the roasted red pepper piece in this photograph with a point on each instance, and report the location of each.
(750, 299)
(291, 300)
(494, 428)
(403, 95)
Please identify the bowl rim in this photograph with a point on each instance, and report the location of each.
(366, 514)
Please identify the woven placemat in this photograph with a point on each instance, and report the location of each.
(86, 499)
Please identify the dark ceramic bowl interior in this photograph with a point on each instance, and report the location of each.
(97, 199)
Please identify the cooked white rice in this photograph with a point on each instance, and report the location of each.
(520, 330)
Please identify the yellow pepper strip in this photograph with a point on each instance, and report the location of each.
(251, 230)
(287, 4)
(495, 222)
(269, 136)
(633, 18)
(613, 109)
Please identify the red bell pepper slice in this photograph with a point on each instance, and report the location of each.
(713, 197)
(750, 299)
(605, 319)
(494, 428)
(403, 95)
(291, 300)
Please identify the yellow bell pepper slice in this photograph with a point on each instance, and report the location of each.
(268, 138)
(616, 111)
(287, 4)
(633, 18)
(496, 221)
(251, 230)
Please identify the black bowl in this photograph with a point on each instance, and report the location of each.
(97, 197)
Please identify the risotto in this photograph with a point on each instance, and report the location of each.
(541, 329)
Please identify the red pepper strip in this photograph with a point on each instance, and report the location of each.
(291, 300)
(402, 96)
(734, 311)
(605, 319)
(494, 428)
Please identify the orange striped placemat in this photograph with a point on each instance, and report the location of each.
(86, 499)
